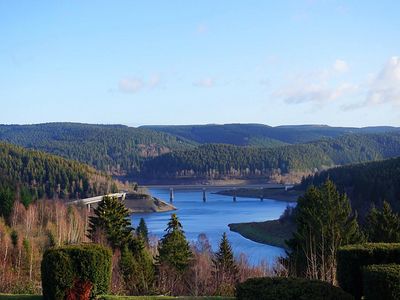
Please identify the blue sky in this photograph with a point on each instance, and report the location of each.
(198, 62)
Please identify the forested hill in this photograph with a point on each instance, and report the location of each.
(27, 175)
(116, 149)
(218, 161)
(262, 135)
(47, 176)
(366, 183)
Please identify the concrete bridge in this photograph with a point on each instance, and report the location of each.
(93, 200)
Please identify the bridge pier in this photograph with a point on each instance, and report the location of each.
(204, 195)
(261, 195)
(171, 195)
(234, 194)
(88, 207)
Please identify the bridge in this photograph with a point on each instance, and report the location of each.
(93, 200)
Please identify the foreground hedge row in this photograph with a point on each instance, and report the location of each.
(352, 259)
(72, 270)
(382, 282)
(272, 288)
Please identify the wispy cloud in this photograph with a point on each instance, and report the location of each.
(207, 82)
(201, 29)
(318, 86)
(382, 88)
(340, 66)
(385, 87)
(130, 85)
(136, 84)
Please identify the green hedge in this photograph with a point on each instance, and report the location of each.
(63, 266)
(352, 258)
(382, 282)
(272, 288)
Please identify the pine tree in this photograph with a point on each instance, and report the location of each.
(384, 225)
(111, 218)
(224, 263)
(6, 201)
(174, 249)
(324, 222)
(142, 231)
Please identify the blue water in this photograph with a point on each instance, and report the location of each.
(213, 216)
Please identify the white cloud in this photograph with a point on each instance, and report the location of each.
(130, 85)
(154, 81)
(318, 93)
(340, 66)
(207, 82)
(385, 87)
(135, 84)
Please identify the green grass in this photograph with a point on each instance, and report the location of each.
(272, 232)
(17, 297)
(161, 298)
(37, 297)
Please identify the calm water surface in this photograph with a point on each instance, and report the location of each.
(213, 217)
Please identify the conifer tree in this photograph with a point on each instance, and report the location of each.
(324, 222)
(383, 225)
(174, 249)
(111, 218)
(224, 262)
(142, 231)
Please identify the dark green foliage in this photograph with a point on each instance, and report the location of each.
(273, 288)
(112, 148)
(366, 184)
(219, 160)
(224, 262)
(383, 225)
(111, 218)
(137, 268)
(61, 267)
(35, 174)
(325, 222)
(259, 134)
(173, 249)
(6, 201)
(142, 231)
(352, 258)
(381, 282)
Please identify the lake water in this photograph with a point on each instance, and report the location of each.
(213, 216)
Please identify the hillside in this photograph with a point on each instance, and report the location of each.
(30, 175)
(116, 149)
(261, 135)
(215, 161)
(366, 183)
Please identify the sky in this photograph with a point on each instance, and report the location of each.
(198, 62)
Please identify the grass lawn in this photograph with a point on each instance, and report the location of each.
(16, 297)
(36, 297)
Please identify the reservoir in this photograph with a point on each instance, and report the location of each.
(213, 216)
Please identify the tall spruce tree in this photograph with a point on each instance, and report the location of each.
(111, 218)
(142, 231)
(173, 248)
(224, 262)
(383, 225)
(324, 222)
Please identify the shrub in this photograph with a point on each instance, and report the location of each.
(382, 282)
(84, 269)
(352, 258)
(271, 288)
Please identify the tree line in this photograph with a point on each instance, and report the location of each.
(220, 160)
(28, 175)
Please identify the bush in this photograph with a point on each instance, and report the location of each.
(271, 288)
(352, 258)
(84, 269)
(382, 282)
